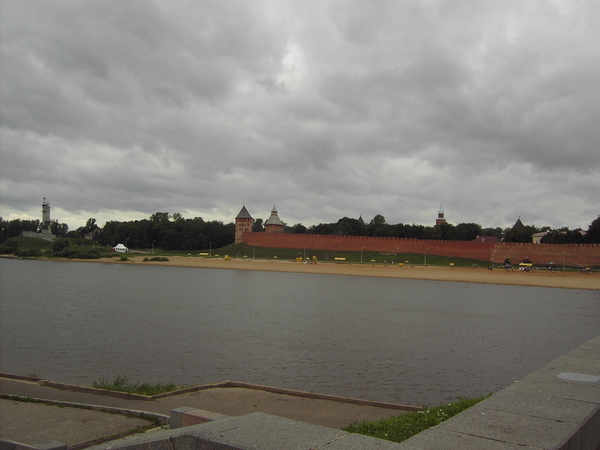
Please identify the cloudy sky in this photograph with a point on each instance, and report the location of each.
(116, 109)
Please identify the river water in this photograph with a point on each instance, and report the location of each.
(405, 341)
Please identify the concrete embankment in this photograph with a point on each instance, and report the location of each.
(556, 407)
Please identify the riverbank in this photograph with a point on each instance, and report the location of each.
(538, 278)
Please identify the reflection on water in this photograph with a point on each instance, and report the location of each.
(407, 341)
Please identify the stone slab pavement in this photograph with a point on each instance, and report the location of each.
(231, 401)
(35, 423)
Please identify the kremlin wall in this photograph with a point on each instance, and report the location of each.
(496, 252)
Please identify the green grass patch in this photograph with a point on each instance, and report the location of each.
(400, 428)
(33, 243)
(244, 251)
(122, 384)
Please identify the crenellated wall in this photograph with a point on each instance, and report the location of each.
(573, 254)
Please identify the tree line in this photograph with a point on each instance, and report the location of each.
(174, 232)
(378, 227)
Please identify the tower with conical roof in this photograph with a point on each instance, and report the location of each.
(274, 223)
(518, 224)
(440, 218)
(243, 223)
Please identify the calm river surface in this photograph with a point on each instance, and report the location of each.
(406, 341)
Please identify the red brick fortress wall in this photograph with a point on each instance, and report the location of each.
(573, 254)
(569, 254)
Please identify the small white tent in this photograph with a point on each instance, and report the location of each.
(120, 248)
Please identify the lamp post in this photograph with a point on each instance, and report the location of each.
(153, 247)
(564, 253)
(425, 260)
(304, 257)
(210, 249)
(361, 250)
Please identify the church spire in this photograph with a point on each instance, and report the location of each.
(440, 218)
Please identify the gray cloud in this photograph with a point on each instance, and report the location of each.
(117, 109)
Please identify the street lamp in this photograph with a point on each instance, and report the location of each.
(210, 249)
(564, 253)
(153, 246)
(304, 258)
(361, 250)
(425, 261)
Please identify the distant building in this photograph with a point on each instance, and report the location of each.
(486, 239)
(274, 223)
(243, 223)
(440, 218)
(537, 237)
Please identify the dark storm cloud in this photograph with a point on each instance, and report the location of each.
(120, 108)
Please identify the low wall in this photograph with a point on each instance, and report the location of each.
(496, 252)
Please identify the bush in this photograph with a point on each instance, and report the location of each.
(31, 253)
(5, 249)
(60, 244)
(12, 243)
(159, 258)
(78, 254)
(90, 254)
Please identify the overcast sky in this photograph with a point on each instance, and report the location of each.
(116, 109)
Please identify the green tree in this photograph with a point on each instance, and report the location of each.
(58, 245)
(593, 232)
(59, 229)
(446, 231)
(379, 228)
(160, 217)
(322, 228)
(563, 236)
(521, 234)
(257, 226)
(349, 227)
(299, 229)
(30, 225)
(467, 231)
(91, 226)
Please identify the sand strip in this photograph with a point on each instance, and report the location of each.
(539, 278)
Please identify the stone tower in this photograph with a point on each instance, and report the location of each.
(44, 231)
(440, 218)
(274, 223)
(243, 223)
(45, 225)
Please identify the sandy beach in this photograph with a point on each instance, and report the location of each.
(540, 278)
